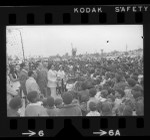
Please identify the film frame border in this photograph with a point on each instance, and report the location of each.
(13, 16)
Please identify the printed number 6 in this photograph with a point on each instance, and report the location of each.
(41, 133)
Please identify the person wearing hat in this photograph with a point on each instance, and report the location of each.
(93, 109)
(68, 108)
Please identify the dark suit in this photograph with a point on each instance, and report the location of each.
(22, 78)
(42, 80)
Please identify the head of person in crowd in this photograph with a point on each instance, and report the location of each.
(52, 67)
(39, 65)
(50, 102)
(131, 82)
(104, 93)
(83, 85)
(18, 67)
(75, 97)
(106, 108)
(33, 97)
(32, 74)
(137, 94)
(135, 77)
(127, 111)
(118, 78)
(111, 98)
(119, 93)
(58, 102)
(129, 102)
(45, 64)
(44, 102)
(15, 103)
(67, 98)
(92, 106)
(92, 92)
(25, 66)
(139, 107)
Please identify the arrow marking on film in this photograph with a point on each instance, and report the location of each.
(30, 133)
(100, 133)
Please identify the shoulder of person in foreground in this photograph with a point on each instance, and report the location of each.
(43, 111)
(93, 113)
(36, 110)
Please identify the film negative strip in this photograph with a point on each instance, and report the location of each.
(70, 16)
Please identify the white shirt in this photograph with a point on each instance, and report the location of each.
(52, 78)
(93, 113)
(61, 74)
(31, 85)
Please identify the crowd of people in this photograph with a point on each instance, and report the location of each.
(76, 87)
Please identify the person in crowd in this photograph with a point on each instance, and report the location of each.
(14, 76)
(58, 103)
(14, 105)
(50, 106)
(83, 104)
(34, 108)
(68, 108)
(52, 82)
(120, 83)
(103, 96)
(11, 92)
(106, 109)
(93, 109)
(139, 107)
(61, 79)
(92, 93)
(42, 78)
(31, 84)
(23, 77)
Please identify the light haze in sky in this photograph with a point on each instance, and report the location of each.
(52, 40)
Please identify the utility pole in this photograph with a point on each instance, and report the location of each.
(22, 44)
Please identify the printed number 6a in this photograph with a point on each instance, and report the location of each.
(41, 133)
(112, 133)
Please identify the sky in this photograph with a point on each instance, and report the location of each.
(53, 40)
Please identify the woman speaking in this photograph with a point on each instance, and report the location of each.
(52, 82)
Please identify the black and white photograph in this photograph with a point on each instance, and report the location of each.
(74, 70)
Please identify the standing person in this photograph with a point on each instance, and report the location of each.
(31, 84)
(23, 77)
(52, 82)
(10, 90)
(42, 78)
(14, 77)
(61, 76)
